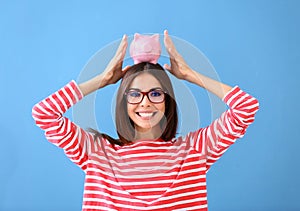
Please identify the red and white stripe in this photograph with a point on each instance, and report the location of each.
(148, 175)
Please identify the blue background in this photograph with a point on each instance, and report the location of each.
(254, 43)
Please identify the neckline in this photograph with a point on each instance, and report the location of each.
(143, 142)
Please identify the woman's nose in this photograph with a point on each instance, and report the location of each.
(145, 101)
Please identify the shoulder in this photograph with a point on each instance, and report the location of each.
(189, 139)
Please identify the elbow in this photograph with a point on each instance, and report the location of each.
(34, 112)
(256, 104)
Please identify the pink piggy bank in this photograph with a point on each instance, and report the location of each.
(145, 48)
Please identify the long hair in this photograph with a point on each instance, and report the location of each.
(124, 125)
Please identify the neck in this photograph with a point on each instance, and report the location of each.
(146, 134)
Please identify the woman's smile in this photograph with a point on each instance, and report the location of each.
(146, 115)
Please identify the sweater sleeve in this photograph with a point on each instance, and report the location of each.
(59, 130)
(214, 140)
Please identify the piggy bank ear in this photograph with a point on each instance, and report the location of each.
(155, 37)
(137, 36)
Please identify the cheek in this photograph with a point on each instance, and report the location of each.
(130, 110)
(161, 107)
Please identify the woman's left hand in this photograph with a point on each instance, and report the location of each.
(178, 67)
(181, 70)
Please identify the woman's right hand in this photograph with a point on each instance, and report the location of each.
(114, 72)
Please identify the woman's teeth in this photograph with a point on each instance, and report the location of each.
(145, 114)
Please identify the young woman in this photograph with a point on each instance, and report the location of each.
(147, 167)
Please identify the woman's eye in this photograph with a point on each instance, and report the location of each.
(134, 94)
(155, 93)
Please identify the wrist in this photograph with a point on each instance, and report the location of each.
(191, 76)
(101, 81)
(92, 85)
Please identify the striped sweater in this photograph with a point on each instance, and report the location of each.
(147, 175)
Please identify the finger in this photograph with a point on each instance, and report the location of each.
(123, 45)
(124, 41)
(121, 51)
(126, 68)
(170, 47)
(167, 40)
(167, 67)
(166, 33)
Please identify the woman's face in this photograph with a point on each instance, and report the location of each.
(145, 115)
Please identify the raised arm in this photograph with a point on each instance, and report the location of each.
(180, 69)
(215, 139)
(59, 130)
(112, 73)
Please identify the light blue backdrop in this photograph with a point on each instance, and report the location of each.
(253, 43)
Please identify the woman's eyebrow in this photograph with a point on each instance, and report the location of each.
(137, 89)
(134, 89)
(156, 88)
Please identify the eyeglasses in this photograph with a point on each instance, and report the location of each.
(136, 96)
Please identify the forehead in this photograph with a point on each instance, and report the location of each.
(144, 82)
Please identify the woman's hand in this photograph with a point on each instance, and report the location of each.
(181, 70)
(178, 67)
(114, 72)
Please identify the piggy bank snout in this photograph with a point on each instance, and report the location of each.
(147, 48)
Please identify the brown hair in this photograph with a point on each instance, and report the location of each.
(124, 125)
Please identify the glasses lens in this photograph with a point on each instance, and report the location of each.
(134, 96)
(156, 96)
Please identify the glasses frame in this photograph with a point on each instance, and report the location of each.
(147, 94)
